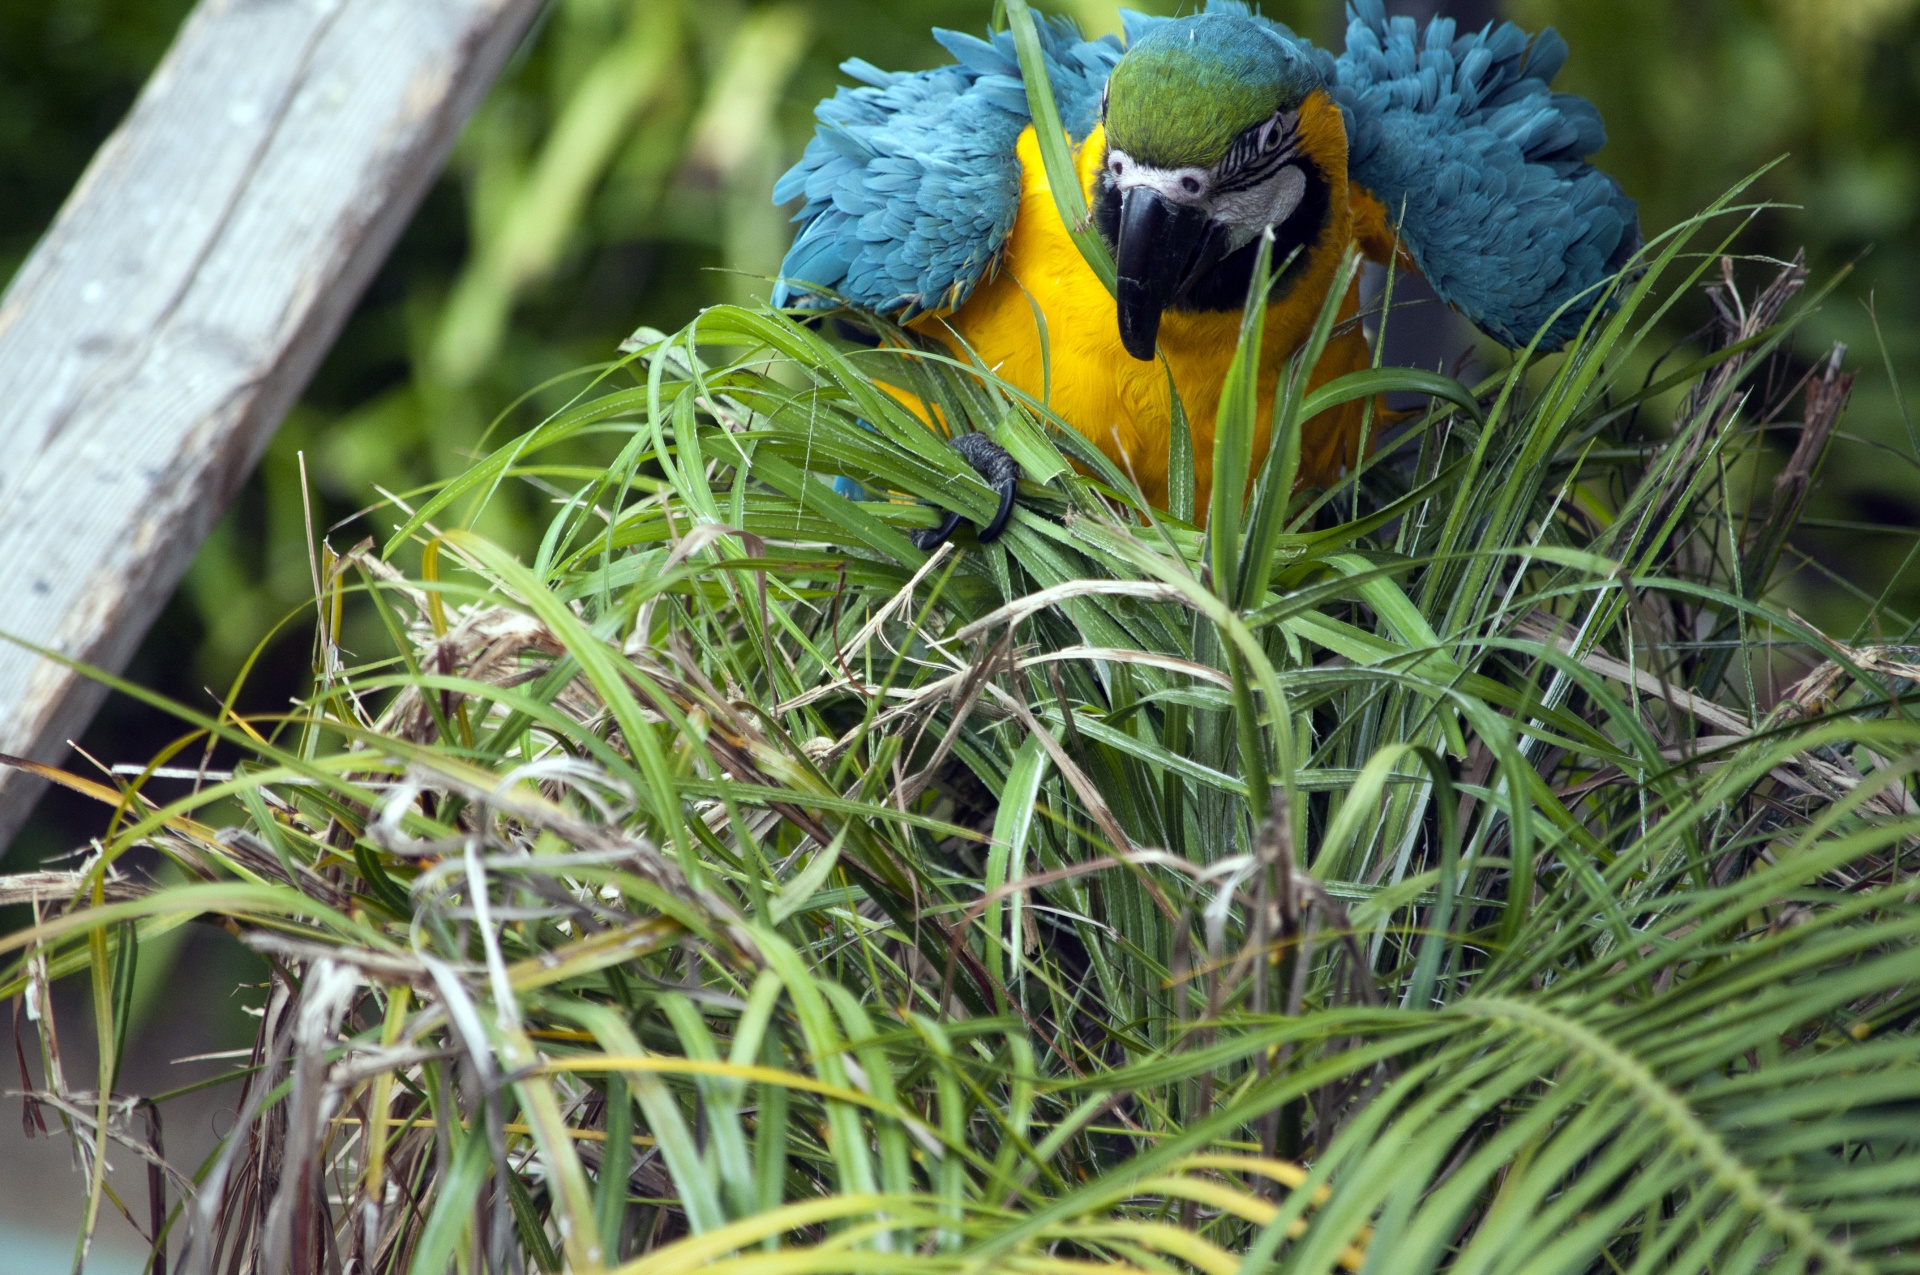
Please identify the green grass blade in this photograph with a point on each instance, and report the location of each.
(1051, 134)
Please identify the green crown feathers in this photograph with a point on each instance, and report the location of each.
(1187, 88)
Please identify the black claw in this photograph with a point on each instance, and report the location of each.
(1002, 472)
(927, 539)
(991, 462)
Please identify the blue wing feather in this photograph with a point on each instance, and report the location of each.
(1483, 168)
(911, 180)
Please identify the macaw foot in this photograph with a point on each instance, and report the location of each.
(991, 462)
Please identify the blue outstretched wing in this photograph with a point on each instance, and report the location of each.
(1483, 169)
(911, 181)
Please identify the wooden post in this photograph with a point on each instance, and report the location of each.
(195, 278)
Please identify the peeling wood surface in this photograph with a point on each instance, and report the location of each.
(175, 310)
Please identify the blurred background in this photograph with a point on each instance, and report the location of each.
(618, 176)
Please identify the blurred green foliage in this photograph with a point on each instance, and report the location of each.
(618, 176)
(1697, 93)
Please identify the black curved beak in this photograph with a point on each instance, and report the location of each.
(1160, 245)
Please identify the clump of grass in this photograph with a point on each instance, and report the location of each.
(1416, 875)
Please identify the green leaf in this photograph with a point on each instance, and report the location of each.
(798, 892)
(1374, 381)
(1006, 861)
(1233, 431)
(1062, 176)
(1040, 461)
(452, 1215)
(616, 1163)
(1180, 480)
(1273, 492)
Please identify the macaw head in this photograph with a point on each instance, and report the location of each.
(1205, 150)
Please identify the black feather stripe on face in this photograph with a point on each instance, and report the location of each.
(1260, 152)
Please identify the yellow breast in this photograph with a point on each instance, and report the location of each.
(1119, 402)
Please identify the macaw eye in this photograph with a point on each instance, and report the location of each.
(1117, 165)
(1190, 184)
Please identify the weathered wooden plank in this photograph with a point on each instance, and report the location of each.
(188, 289)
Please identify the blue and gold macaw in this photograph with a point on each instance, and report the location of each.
(927, 202)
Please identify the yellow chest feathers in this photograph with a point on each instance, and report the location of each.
(1121, 403)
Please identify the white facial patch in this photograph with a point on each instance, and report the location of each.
(1247, 211)
(1177, 185)
(1268, 204)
